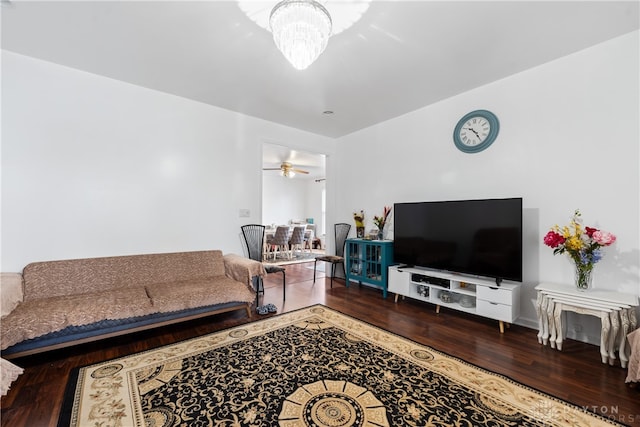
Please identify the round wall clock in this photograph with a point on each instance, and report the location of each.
(476, 131)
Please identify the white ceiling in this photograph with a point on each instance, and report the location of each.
(399, 57)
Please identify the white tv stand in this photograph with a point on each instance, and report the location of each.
(468, 294)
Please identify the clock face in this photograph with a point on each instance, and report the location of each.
(476, 131)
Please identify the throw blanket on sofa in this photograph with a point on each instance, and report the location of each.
(633, 373)
(11, 295)
(242, 269)
(8, 374)
(61, 294)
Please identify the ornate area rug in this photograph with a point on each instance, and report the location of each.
(311, 367)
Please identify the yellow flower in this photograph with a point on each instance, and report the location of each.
(573, 243)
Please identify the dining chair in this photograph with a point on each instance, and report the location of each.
(253, 235)
(297, 239)
(280, 240)
(341, 231)
(309, 236)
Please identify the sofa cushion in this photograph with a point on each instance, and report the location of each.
(81, 276)
(196, 293)
(116, 304)
(37, 317)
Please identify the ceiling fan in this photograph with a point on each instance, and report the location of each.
(287, 170)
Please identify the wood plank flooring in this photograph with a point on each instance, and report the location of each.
(575, 374)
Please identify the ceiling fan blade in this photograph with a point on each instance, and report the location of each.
(286, 167)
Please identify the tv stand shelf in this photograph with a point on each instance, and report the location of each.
(482, 297)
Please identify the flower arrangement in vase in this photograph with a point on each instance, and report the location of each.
(380, 221)
(582, 244)
(358, 217)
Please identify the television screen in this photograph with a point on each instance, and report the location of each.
(476, 237)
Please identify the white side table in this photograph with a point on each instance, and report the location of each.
(615, 310)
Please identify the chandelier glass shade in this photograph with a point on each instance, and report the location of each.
(301, 30)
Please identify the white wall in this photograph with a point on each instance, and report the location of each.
(285, 199)
(569, 133)
(96, 167)
(313, 204)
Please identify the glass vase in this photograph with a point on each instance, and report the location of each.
(583, 277)
(381, 233)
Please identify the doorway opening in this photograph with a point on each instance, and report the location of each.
(293, 188)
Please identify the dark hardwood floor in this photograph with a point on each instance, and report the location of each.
(575, 374)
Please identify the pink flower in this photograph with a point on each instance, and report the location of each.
(590, 231)
(553, 239)
(603, 238)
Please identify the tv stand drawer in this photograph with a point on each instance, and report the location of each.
(495, 294)
(493, 310)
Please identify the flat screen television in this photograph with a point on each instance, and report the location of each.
(474, 237)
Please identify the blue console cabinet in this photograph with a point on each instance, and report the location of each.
(368, 262)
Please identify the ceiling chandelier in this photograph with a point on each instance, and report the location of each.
(301, 30)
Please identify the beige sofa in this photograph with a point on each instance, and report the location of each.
(73, 301)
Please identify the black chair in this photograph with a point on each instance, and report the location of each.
(341, 233)
(254, 239)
